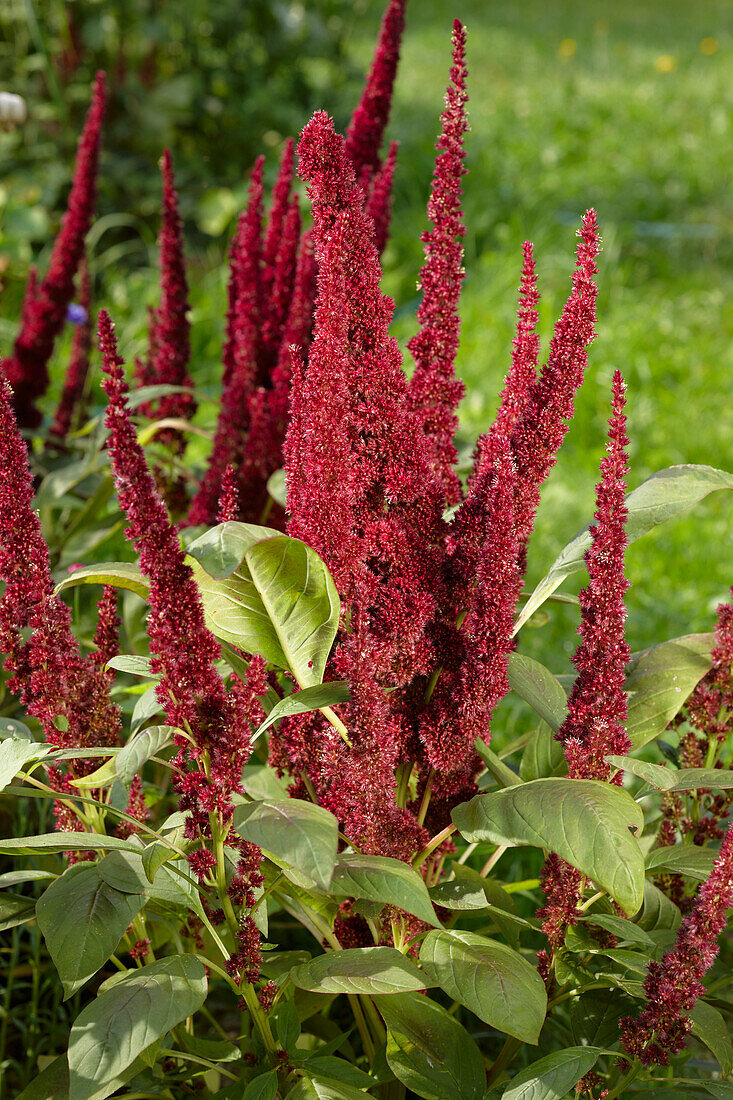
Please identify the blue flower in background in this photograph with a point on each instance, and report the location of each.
(76, 314)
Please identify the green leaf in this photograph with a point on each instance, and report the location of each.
(624, 929)
(297, 834)
(682, 859)
(118, 574)
(103, 776)
(594, 1018)
(584, 821)
(720, 1089)
(83, 919)
(15, 878)
(501, 772)
(51, 1084)
(152, 857)
(146, 706)
(15, 754)
(323, 1088)
(301, 702)
(338, 1069)
(429, 1051)
(18, 731)
(277, 488)
(123, 1021)
(15, 909)
(132, 663)
(384, 880)
(552, 1077)
(262, 783)
(125, 871)
(280, 603)
(537, 686)
(140, 748)
(53, 843)
(659, 681)
(220, 550)
(709, 1026)
(543, 756)
(498, 903)
(263, 1087)
(359, 970)
(658, 914)
(664, 495)
(489, 978)
(458, 894)
(668, 779)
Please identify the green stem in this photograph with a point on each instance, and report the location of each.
(507, 1052)
(425, 798)
(432, 845)
(618, 1089)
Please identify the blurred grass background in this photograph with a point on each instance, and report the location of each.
(626, 108)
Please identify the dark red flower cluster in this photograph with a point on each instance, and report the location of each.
(66, 691)
(44, 308)
(710, 707)
(435, 392)
(597, 707)
(561, 885)
(674, 985)
(379, 199)
(68, 413)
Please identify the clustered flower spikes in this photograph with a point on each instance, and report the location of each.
(44, 308)
(435, 392)
(674, 985)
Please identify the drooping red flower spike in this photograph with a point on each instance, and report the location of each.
(78, 368)
(240, 355)
(597, 707)
(171, 350)
(369, 121)
(379, 201)
(435, 392)
(45, 313)
(674, 985)
(541, 428)
(46, 670)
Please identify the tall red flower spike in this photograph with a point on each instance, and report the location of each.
(369, 121)
(44, 315)
(47, 671)
(597, 707)
(542, 426)
(78, 368)
(435, 392)
(171, 351)
(360, 487)
(525, 350)
(240, 355)
(277, 301)
(710, 707)
(674, 985)
(276, 218)
(379, 201)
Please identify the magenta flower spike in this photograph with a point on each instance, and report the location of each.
(245, 266)
(276, 301)
(597, 707)
(379, 201)
(44, 313)
(435, 392)
(78, 368)
(279, 208)
(369, 121)
(673, 986)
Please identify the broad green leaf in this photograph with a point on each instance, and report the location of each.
(384, 880)
(263, 1087)
(51, 1084)
(146, 707)
(140, 748)
(492, 980)
(500, 771)
(277, 488)
(498, 903)
(153, 856)
(458, 894)
(220, 550)
(429, 1051)
(132, 663)
(83, 919)
(543, 756)
(15, 909)
(125, 871)
(262, 783)
(297, 834)
(118, 574)
(682, 859)
(323, 1088)
(53, 843)
(338, 1069)
(103, 776)
(584, 821)
(721, 1089)
(537, 686)
(624, 929)
(668, 779)
(359, 970)
(709, 1026)
(18, 731)
(594, 1017)
(658, 915)
(301, 702)
(659, 681)
(280, 603)
(15, 754)
(664, 495)
(552, 1077)
(123, 1021)
(15, 878)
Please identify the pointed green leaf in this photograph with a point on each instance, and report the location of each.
(359, 970)
(15, 909)
(297, 834)
(15, 754)
(263, 1087)
(584, 821)
(682, 859)
(53, 843)
(537, 686)
(552, 1077)
(492, 980)
(709, 1026)
(669, 779)
(323, 1088)
(664, 495)
(118, 574)
(220, 550)
(384, 880)
(429, 1051)
(123, 1021)
(83, 919)
(301, 702)
(140, 748)
(543, 756)
(659, 681)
